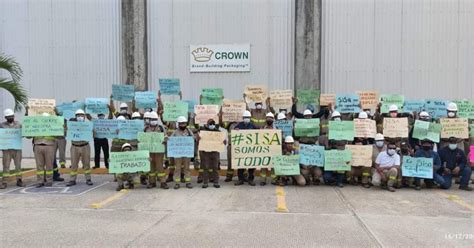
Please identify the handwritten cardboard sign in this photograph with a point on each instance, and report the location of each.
(211, 141)
(395, 127)
(79, 131)
(326, 99)
(368, 99)
(388, 100)
(307, 127)
(180, 147)
(286, 165)
(10, 138)
(123, 92)
(361, 155)
(206, 112)
(454, 127)
(169, 86)
(337, 160)
(173, 110)
(34, 126)
(40, 106)
(97, 106)
(312, 155)
(232, 110)
(417, 167)
(426, 130)
(256, 93)
(106, 128)
(151, 141)
(348, 103)
(281, 99)
(129, 162)
(364, 128)
(341, 130)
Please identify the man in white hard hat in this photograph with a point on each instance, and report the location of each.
(288, 150)
(270, 118)
(134, 143)
(124, 110)
(452, 112)
(80, 151)
(244, 125)
(258, 114)
(387, 166)
(414, 142)
(182, 163)
(156, 165)
(125, 177)
(13, 153)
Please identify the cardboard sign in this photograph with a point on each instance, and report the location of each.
(232, 110)
(173, 110)
(40, 106)
(151, 141)
(10, 138)
(206, 112)
(106, 128)
(212, 96)
(308, 97)
(180, 147)
(68, 109)
(255, 148)
(312, 155)
(307, 127)
(426, 130)
(79, 131)
(454, 127)
(364, 128)
(347, 103)
(145, 99)
(169, 86)
(286, 127)
(395, 127)
(368, 99)
(410, 106)
(286, 165)
(388, 100)
(129, 162)
(436, 108)
(361, 155)
(281, 99)
(341, 130)
(256, 93)
(326, 99)
(417, 167)
(129, 129)
(34, 126)
(337, 160)
(97, 106)
(465, 109)
(211, 141)
(123, 92)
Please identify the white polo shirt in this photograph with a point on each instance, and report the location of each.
(385, 160)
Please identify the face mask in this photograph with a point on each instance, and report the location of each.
(337, 119)
(212, 126)
(393, 115)
(154, 123)
(404, 150)
(426, 148)
(147, 121)
(425, 119)
(123, 111)
(391, 152)
(368, 112)
(101, 117)
(269, 122)
(453, 146)
(379, 143)
(10, 120)
(258, 106)
(246, 120)
(80, 118)
(148, 110)
(451, 114)
(182, 127)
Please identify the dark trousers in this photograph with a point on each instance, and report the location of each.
(240, 173)
(104, 145)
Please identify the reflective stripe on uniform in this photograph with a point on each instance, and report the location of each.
(365, 174)
(87, 172)
(62, 163)
(161, 174)
(391, 177)
(49, 172)
(187, 179)
(73, 173)
(177, 179)
(40, 172)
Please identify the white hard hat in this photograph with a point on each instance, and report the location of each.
(80, 112)
(270, 114)
(126, 145)
(363, 115)
(181, 119)
(45, 114)
(8, 112)
(424, 114)
(123, 105)
(121, 118)
(281, 116)
(393, 107)
(147, 115)
(307, 112)
(153, 115)
(379, 136)
(136, 114)
(335, 114)
(247, 114)
(452, 107)
(289, 139)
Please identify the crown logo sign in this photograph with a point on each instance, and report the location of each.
(202, 54)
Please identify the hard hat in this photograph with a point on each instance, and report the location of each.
(126, 145)
(281, 116)
(307, 112)
(123, 105)
(247, 114)
(80, 112)
(8, 112)
(379, 136)
(452, 106)
(136, 115)
(153, 115)
(289, 139)
(335, 114)
(270, 114)
(146, 115)
(45, 114)
(181, 119)
(121, 118)
(392, 107)
(363, 115)
(424, 114)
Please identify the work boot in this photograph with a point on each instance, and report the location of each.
(366, 185)
(251, 183)
(216, 185)
(417, 187)
(19, 183)
(199, 179)
(89, 182)
(182, 177)
(466, 188)
(228, 179)
(238, 183)
(340, 185)
(204, 185)
(71, 183)
(3, 186)
(189, 186)
(39, 185)
(119, 187)
(164, 186)
(58, 179)
(391, 189)
(48, 184)
(131, 185)
(177, 186)
(143, 180)
(263, 183)
(316, 182)
(170, 178)
(151, 185)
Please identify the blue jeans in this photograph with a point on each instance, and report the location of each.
(328, 177)
(445, 181)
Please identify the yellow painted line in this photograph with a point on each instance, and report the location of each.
(115, 197)
(281, 202)
(457, 199)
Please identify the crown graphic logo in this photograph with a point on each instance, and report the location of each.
(202, 54)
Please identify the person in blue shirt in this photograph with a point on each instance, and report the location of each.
(426, 151)
(454, 162)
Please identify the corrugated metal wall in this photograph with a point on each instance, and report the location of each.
(67, 49)
(266, 24)
(421, 49)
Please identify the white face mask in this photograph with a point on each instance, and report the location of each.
(258, 106)
(147, 121)
(337, 119)
(379, 143)
(80, 118)
(123, 111)
(212, 126)
(453, 146)
(391, 152)
(154, 122)
(246, 120)
(451, 114)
